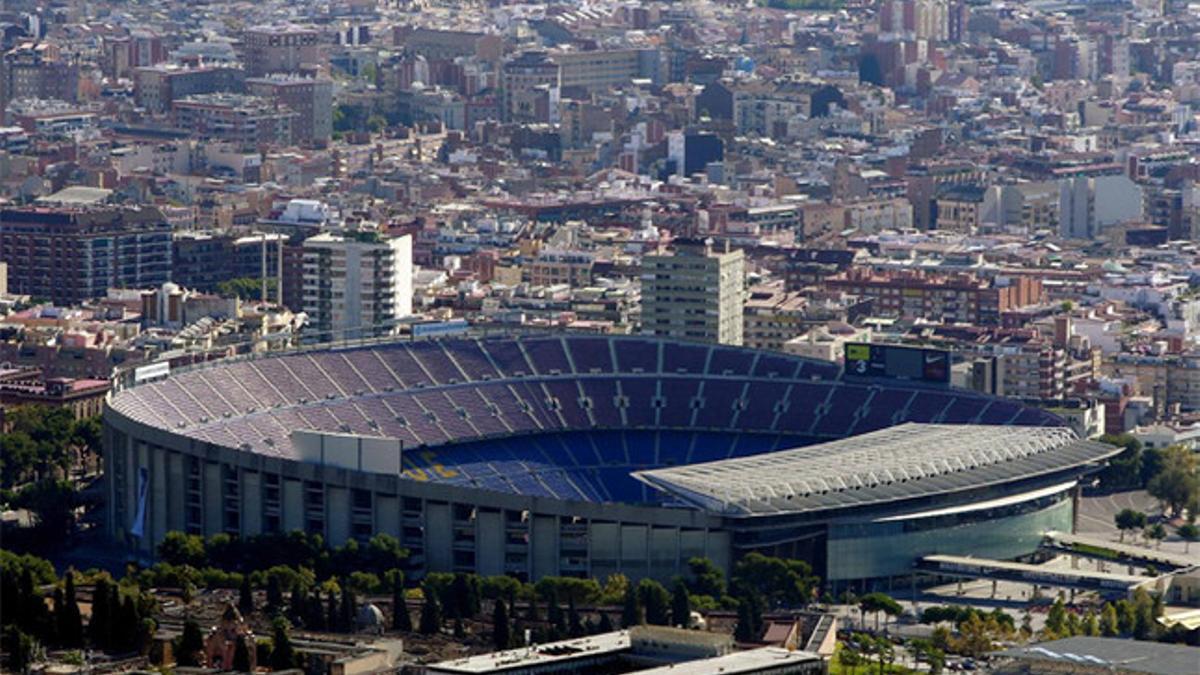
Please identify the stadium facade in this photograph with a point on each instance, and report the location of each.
(587, 455)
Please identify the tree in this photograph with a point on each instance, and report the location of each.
(749, 618)
(190, 650)
(554, 615)
(21, 648)
(1056, 621)
(615, 588)
(70, 621)
(786, 582)
(464, 590)
(574, 622)
(1128, 519)
(1157, 532)
(681, 605)
(927, 652)
(631, 609)
(656, 602)
(1176, 484)
(348, 611)
(877, 603)
(1124, 470)
(367, 72)
(241, 656)
(1109, 624)
(1188, 532)
(283, 655)
(431, 612)
(705, 578)
(401, 621)
(274, 595)
(501, 629)
(178, 548)
(501, 586)
(128, 629)
(333, 615)
(974, 638)
(245, 288)
(245, 596)
(100, 624)
(53, 502)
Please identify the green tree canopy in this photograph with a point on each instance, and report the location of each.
(1176, 484)
(780, 581)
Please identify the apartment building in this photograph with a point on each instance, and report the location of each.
(356, 284)
(1170, 380)
(247, 121)
(772, 316)
(69, 255)
(124, 53)
(952, 298)
(39, 71)
(553, 266)
(696, 294)
(156, 87)
(311, 98)
(521, 78)
(284, 48)
(202, 260)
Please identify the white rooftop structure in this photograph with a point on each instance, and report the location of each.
(558, 654)
(764, 660)
(890, 465)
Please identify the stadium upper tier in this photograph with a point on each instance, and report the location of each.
(597, 408)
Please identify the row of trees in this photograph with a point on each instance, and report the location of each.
(1129, 520)
(222, 554)
(1136, 617)
(122, 614)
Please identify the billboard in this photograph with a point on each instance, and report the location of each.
(897, 362)
(440, 328)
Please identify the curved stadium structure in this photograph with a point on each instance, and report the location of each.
(589, 455)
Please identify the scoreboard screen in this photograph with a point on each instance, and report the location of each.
(898, 363)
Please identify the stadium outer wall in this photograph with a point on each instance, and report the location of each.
(188, 482)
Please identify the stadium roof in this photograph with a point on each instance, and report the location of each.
(904, 462)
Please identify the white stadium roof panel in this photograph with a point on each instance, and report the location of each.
(903, 462)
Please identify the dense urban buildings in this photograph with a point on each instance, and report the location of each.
(618, 291)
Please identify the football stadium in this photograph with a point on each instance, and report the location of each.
(574, 454)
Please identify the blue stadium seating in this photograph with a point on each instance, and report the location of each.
(684, 358)
(725, 361)
(591, 355)
(566, 418)
(637, 356)
(640, 393)
(471, 360)
(548, 356)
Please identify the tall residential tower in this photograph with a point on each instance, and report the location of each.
(695, 294)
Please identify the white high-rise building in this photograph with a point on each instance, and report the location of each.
(695, 294)
(356, 284)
